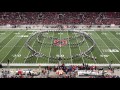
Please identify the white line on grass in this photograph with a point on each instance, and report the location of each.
(40, 49)
(7, 43)
(88, 47)
(50, 48)
(12, 47)
(102, 53)
(113, 42)
(60, 51)
(60, 46)
(108, 48)
(30, 51)
(80, 49)
(70, 48)
(114, 36)
(18, 53)
(5, 37)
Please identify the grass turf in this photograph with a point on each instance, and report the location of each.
(12, 46)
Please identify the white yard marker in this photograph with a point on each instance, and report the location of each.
(5, 37)
(80, 49)
(30, 51)
(102, 53)
(60, 46)
(13, 46)
(69, 48)
(50, 47)
(7, 43)
(108, 48)
(88, 47)
(40, 48)
(113, 42)
(114, 36)
(18, 53)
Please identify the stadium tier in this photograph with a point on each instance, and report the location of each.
(84, 18)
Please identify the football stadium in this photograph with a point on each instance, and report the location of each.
(60, 43)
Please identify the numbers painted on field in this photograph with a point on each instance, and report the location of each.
(16, 33)
(110, 50)
(60, 33)
(2, 33)
(104, 55)
(60, 55)
(16, 55)
(104, 33)
(22, 36)
(117, 33)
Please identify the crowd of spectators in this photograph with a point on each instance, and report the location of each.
(85, 18)
(61, 71)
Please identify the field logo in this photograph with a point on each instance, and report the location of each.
(60, 42)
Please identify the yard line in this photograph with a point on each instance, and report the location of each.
(50, 47)
(7, 43)
(88, 47)
(101, 52)
(113, 42)
(60, 46)
(108, 48)
(60, 51)
(19, 52)
(80, 49)
(40, 49)
(30, 51)
(69, 48)
(5, 37)
(114, 35)
(12, 47)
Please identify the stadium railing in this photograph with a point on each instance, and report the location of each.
(53, 64)
(38, 27)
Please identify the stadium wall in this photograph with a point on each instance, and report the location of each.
(44, 27)
(46, 64)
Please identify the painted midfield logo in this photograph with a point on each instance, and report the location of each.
(60, 42)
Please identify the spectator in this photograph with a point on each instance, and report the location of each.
(86, 18)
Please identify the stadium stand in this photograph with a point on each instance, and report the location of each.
(61, 71)
(84, 18)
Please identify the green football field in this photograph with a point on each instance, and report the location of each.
(12, 47)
